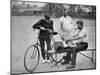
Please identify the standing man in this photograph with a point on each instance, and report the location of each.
(46, 27)
(66, 27)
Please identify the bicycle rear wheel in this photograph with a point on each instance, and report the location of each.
(31, 58)
(56, 57)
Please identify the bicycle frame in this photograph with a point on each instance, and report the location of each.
(53, 42)
(51, 37)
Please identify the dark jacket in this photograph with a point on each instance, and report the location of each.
(45, 24)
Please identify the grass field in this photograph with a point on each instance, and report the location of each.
(22, 35)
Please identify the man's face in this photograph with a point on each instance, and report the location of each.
(65, 12)
(47, 20)
(80, 26)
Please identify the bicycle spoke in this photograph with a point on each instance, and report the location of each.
(56, 57)
(31, 58)
(34, 53)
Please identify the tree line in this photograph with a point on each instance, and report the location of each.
(55, 9)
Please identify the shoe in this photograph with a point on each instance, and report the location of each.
(48, 61)
(71, 66)
(65, 62)
(52, 51)
(44, 61)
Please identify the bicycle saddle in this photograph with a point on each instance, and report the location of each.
(54, 33)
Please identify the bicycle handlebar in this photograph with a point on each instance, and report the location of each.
(53, 33)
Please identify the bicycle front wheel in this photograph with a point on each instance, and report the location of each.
(31, 58)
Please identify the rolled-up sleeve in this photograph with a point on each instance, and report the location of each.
(37, 25)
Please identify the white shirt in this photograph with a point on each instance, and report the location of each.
(83, 35)
(78, 33)
(66, 27)
(66, 22)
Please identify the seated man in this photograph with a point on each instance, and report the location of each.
(79, 42)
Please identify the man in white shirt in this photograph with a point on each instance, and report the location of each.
(66, 27)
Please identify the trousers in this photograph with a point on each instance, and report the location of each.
(72, 51)
(42, 41)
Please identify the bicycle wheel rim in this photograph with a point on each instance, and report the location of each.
(33, 58)
(56, 57)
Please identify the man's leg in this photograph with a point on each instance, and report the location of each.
(67, 58)
(42, 45)
(48, 42)
(73, 60)
(76, 49)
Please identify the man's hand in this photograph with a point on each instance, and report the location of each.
(42, 28)
(67, 41)
(62, 38)
(50, 31)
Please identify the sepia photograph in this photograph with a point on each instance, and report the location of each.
(52, 37)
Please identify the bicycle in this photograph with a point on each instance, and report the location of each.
(34, 53)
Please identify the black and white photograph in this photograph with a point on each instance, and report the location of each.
(52, 37)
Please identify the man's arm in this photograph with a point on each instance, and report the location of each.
(37, 25)
(51, 26)
(74, 36)
(61, 29)
(71, 20)
(78, 37)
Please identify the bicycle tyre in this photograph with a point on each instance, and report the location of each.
(55, 59)
(35, 51)
(55, 56)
